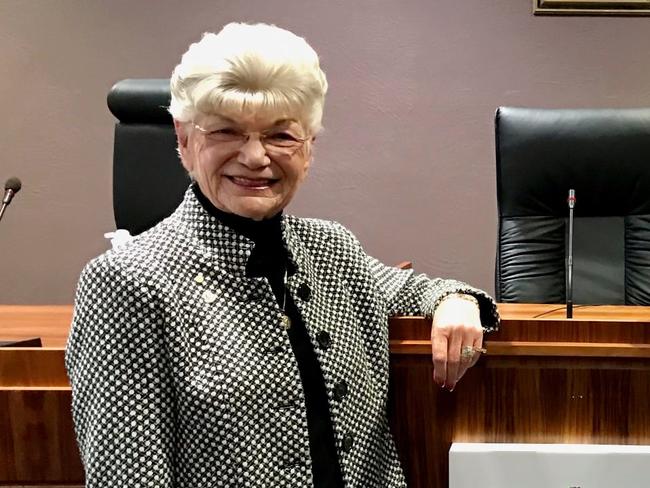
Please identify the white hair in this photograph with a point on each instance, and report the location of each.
(247, 67)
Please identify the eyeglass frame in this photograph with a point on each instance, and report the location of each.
(262, 138)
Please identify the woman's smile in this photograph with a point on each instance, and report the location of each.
(252, 183)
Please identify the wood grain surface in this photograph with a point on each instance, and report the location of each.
(543, 379)
(49, 322)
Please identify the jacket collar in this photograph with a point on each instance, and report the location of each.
(220, 244)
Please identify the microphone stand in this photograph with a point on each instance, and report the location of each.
(569, 274)
(9, 193)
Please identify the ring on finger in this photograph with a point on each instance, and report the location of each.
(467, 352)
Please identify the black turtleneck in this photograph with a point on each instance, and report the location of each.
(269, 259)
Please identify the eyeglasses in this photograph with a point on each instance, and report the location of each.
(276, 143)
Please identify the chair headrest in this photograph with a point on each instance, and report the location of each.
(143, 101)
(604, 154)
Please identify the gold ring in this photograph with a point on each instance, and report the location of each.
(467, 352)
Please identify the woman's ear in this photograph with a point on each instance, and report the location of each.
(182, 137)
(181, 133)
(310, 158)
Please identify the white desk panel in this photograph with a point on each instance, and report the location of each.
(548, 466)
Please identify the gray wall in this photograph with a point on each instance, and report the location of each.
(407, 159)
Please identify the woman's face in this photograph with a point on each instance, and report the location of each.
(254, 176)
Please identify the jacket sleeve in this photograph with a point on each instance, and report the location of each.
(122, 402)
(407, 293)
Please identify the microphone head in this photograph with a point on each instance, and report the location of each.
(572, 198)
(14, 184)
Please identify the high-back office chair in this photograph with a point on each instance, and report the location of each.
(605, 156)
(148, 178)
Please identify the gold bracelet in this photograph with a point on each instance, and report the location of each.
(462, 296)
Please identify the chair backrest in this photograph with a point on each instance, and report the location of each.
(604, 155)
(148, 178)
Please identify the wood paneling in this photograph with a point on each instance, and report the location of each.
(32, 367)
(545, 402)
(544, 379)
(37, 443)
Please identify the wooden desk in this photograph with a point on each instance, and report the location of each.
(544, 379)
(49, 322)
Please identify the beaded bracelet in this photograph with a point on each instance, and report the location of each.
(462, 296)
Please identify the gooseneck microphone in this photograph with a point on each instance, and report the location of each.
(12, 186)
(569, 265)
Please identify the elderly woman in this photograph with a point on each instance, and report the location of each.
(233, 345)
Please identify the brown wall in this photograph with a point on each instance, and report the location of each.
(407, 159)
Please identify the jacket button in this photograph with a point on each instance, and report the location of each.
(256, 296)
(277, 349)
(304, 292)
(324, 340)
(348, 442)
(340, 390)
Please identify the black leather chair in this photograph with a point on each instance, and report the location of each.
(605, 156)
(148, 178)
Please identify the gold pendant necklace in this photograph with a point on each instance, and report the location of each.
(286, 321)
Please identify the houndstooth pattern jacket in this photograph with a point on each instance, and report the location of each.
(183, 376)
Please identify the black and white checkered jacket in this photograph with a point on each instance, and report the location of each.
(183, 376)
